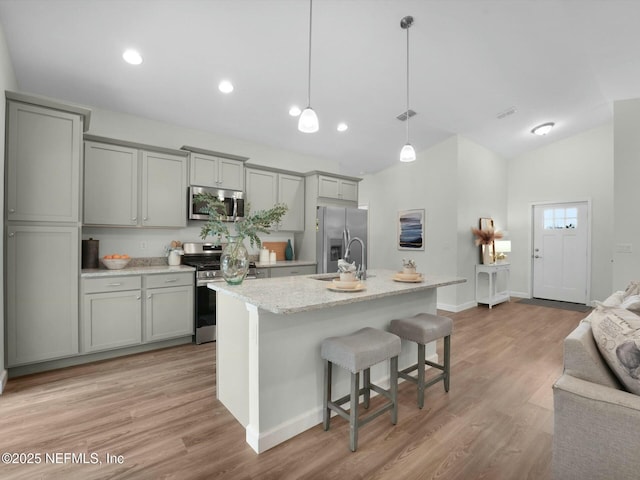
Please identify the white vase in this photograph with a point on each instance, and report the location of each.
(487, 255)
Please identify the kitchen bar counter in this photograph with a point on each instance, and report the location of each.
(268, 370)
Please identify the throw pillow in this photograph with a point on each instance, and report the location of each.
(632, 289)
(616, 331)
(632, 303)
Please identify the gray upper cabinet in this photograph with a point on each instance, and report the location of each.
(110, 184)
(129, 186)
(43, 163)
(337, 188)
(214, 171)
(164, 190)
(265, 188)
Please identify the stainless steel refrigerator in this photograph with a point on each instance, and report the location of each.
(336, 226)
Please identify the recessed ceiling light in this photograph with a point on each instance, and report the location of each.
(225, 86)
(342, 127)
(132, 57)
(294, 111)
(542, 129)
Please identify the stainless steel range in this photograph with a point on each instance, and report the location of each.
(205, 257)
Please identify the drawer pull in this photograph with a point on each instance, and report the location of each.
(114, 284)
(172, 280)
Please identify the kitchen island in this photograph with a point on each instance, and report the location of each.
(269, 372)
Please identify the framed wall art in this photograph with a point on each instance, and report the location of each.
(411, 229)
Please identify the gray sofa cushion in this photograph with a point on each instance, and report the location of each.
(617, 335)
(582, 358)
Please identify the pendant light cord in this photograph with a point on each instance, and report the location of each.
(309, 73)
(408, 82)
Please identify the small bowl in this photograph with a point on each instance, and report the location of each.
(347, 277)
(115, 263)
(407, 276)
(346, 285)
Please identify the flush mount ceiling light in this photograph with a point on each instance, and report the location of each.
(543, 129)
(342, 127)
(308, 121)
(132, 57)
(225, 86)
(407, 154)
(294, 111)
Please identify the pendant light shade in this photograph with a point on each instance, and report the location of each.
(407, 154)
(308, 121)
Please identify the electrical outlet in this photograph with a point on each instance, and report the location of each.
(143, 245)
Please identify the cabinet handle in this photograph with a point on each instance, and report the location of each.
(145, 219)
(172, 280)
(134, 219)
(116, 284)
(138, 297)
(12, 210)
(149, 296)
(11, 234)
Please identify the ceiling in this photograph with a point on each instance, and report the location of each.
(564, 61)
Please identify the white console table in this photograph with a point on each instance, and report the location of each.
(492, 270)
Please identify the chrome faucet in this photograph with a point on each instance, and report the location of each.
(362, 269)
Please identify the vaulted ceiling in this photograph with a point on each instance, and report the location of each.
(564, 61)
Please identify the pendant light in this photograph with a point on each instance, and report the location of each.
(407, 154)
(308, 121)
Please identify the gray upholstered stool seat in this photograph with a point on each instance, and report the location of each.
(422, 329)
(357, 352)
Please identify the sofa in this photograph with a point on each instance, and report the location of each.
(596, 411)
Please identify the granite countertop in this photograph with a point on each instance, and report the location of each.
(304, 293)
(286, 263)
(134, 270)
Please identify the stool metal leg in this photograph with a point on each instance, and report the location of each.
(366, 380)
(326, 412)
(353, 411)
(447, 362)
(421, 358)
(393, 387)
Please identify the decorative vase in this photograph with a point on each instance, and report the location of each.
(487, 254)
(288, 252)
(234, 261)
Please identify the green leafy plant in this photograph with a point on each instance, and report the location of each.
(248, 227)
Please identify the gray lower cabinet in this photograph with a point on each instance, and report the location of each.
(114, 314)
(168, 306)
(290, 271)
(42, 266)
(111, 313)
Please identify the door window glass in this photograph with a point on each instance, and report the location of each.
(560, 218)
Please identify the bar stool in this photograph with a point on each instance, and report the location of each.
(424, 328)
(358, 352)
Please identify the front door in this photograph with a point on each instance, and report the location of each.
(560, 245)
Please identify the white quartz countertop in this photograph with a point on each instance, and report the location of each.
(296, 294)
(286, 263)
(140, 270)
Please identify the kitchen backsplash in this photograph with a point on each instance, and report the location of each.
(148, 242)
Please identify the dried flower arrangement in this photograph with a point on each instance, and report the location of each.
(486, 236)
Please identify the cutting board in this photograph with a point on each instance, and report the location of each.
(278, 247)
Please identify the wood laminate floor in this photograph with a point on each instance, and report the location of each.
(159, 412)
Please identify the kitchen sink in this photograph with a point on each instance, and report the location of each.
(326, 277)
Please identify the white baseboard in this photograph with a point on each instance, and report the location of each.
(520, 294)
(261, 442)
(3, 380)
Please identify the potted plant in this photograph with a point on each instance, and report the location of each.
(486, 237)
(234, 261)
(408, 266)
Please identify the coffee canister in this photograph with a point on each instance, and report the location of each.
(90, 253)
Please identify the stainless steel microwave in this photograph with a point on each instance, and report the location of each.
(233, 201)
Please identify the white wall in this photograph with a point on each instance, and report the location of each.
(577, 168)
(137, 129)
(626, 266)
(456, 182)
(7, 82)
